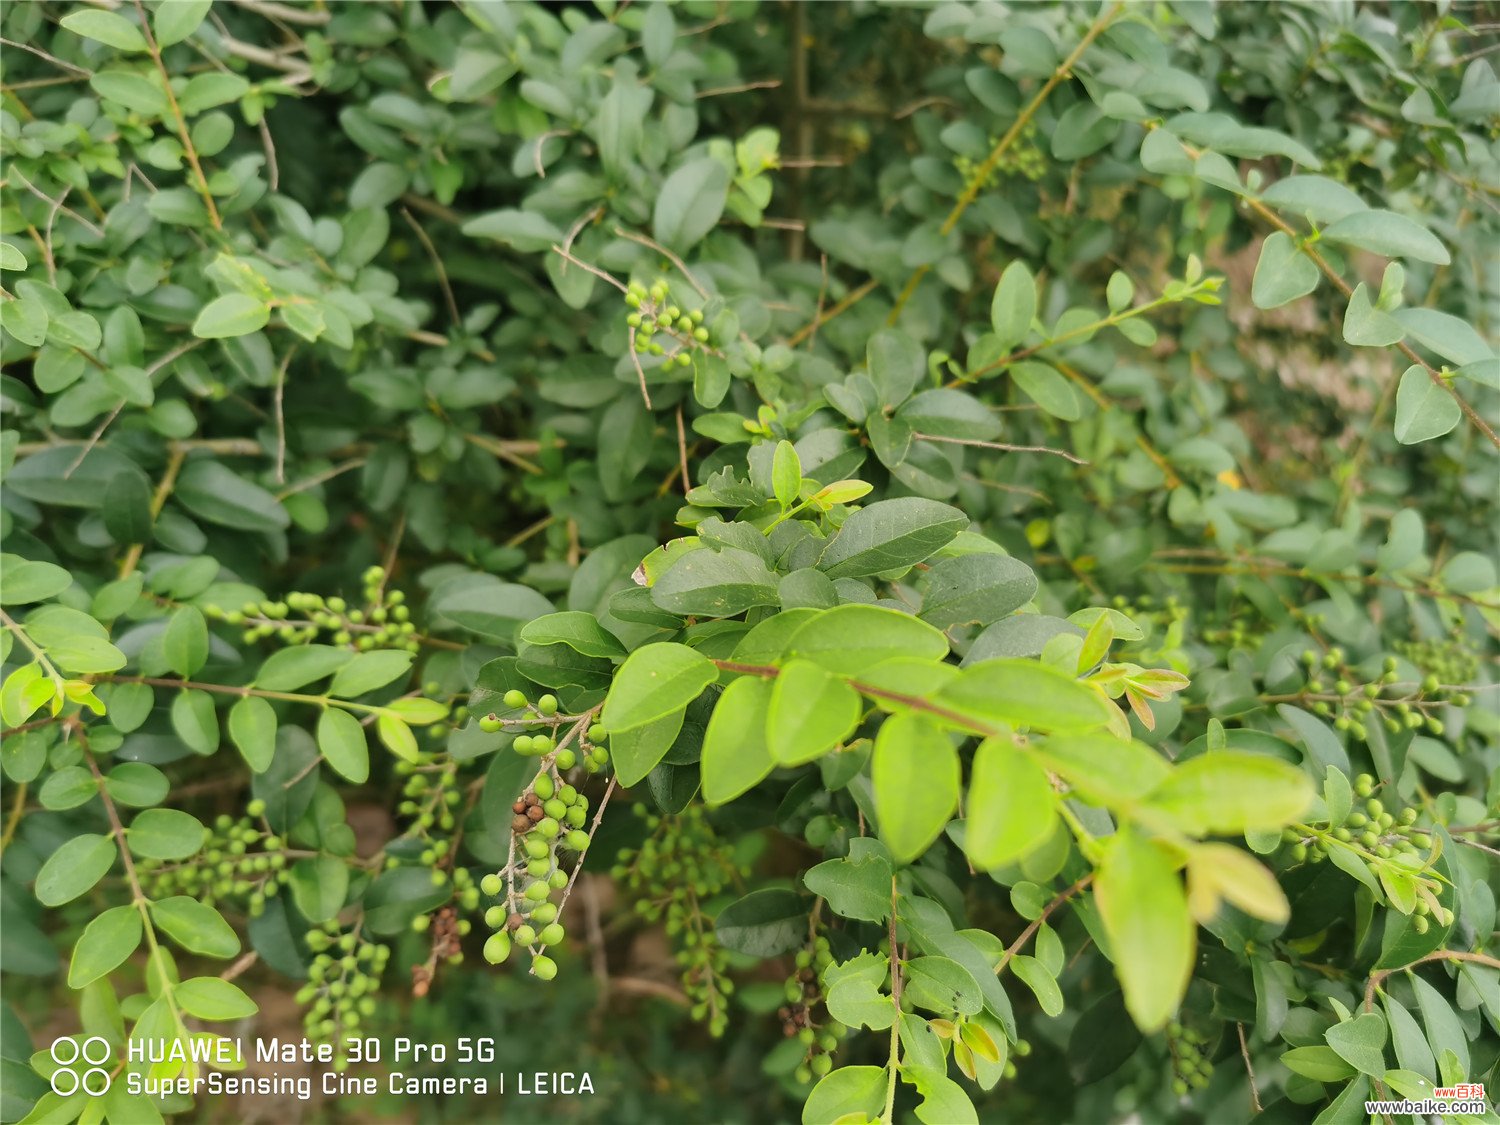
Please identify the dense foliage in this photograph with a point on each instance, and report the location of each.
(873, 561)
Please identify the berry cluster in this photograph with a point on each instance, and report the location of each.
(676, 870)
(383, 622)
(430, 795)
(238, 862)
(1352, 703)
(1376, 836)
(1450, 659)
(342, 982)
(1023, 158)
(798, 1018)
(543, 713)
(549, 819)
(652, 317)
(1190, 1069)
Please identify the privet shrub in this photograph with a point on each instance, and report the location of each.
(976, 520)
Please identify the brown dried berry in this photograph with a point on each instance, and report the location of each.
(519, 807)
(514, 922)
(789, 1029)
(534, 813)
(520, 824)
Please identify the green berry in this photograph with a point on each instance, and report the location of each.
(551, 934)
(525, 935)
(491, 885)
(547, 705)
(497, 948)
(543, 967)
(543, 787)
(515, 699)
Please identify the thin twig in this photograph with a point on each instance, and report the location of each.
(1249, 1070)
(687, 480)
(1002, 446)
(277, 402)
(437, 265)
(667, 254)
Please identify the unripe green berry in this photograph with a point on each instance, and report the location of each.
(551, 934)
(491, 884)
(497, 948)
(547, 705)
(543, 967)
(543, 786)
(525, 935)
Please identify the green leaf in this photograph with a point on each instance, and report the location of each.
(484, 605)
(105, 943)
(786, 474)
(1145, 913)
(1317, 197)
(1386, 232)
(29, 581)
(396, 737)
(234, 314)
(842, 1094)
(525, 230)
(858, 886)
(1367, 326)
(896, 364)
(341, 740)
(689, 203)
(137, 784)
(74, 868)
(1321, 1064)
(655, 681)
(25, 319)
(1013, 307)
(212, 998)
(851, 639)
(1360, 1042)
(217, 87)
(195, 721)
(217, 494)
(320, 885)
(1012, 809)
(369, 671)
(295, 668)
(195, 926)
(252, 729)
(944, 1101)
(811, 712)
(976, 590)
(580, 631)
(1424, 410)
(639, 750)
(109, 28)
(1232, 791)
(185, 641)
(1023, 693)
(915, 774)
(764, 923)
(890, 535)
(735, 755)
(165, 834)
(175, 20)
(1282, 274)
(1042, 383)
(708, 583)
